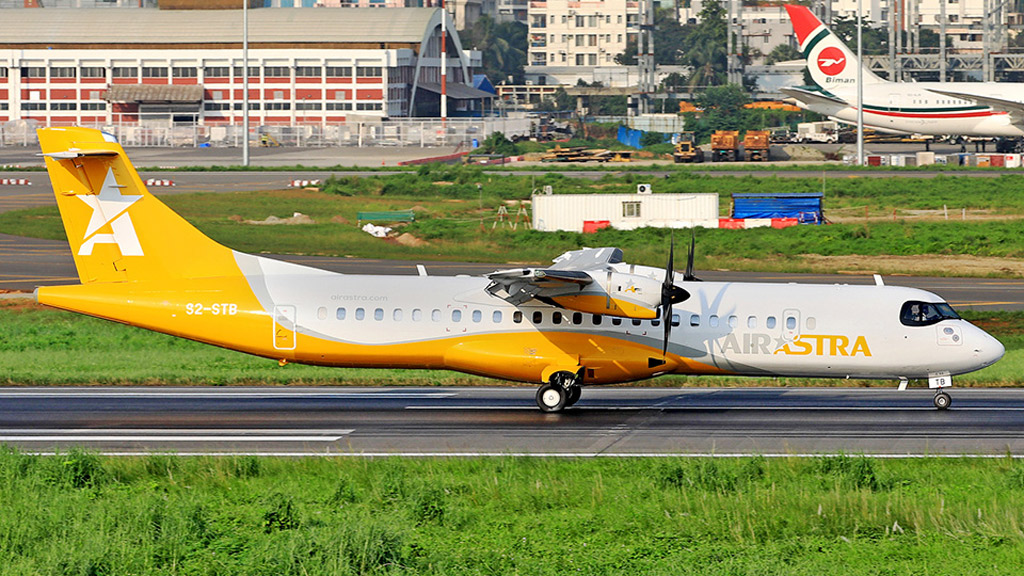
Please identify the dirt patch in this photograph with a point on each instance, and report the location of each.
(297, 218)
(407, 239)
(340, 220)
(926, 265)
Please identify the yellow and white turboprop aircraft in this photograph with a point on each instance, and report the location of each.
(588, 319)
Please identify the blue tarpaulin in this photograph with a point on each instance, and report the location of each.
(807, 208)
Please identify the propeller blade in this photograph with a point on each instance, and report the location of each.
(670, 294)
(688, 275)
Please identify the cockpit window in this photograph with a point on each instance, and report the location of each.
(916, 313)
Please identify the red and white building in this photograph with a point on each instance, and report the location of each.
(101, 66)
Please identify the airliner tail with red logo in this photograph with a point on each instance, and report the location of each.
(984, 109)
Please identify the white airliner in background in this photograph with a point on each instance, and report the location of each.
(589, 318)
(984, 109)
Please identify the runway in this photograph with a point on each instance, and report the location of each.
(609, 422)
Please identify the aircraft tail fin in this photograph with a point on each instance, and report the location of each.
(832, 65)
(117, 230)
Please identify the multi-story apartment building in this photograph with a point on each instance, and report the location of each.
(570, 40)
(309, 66)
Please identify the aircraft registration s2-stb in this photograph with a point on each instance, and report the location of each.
(587, 319)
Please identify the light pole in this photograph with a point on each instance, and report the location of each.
(860, 91)
(245, 82)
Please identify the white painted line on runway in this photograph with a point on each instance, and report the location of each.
(156, 435)
(206, 395)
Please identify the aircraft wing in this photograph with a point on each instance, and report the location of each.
(568, 275)
(582, 280)
(1013, 108)
(813, 96)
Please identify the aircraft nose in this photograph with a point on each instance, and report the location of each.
(987, 349)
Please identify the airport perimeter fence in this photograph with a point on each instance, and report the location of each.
(401, 132)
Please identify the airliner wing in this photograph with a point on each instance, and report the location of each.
(1013, 108)
(567, 275)
(813, 96)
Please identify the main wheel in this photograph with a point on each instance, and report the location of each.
(942, 400)
(552, 397)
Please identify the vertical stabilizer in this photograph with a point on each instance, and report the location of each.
(117, 230)
(832, 65)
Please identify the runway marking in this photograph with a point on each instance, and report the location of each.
(119, 435)
(188, 394)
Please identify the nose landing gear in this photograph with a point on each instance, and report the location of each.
(942, 400)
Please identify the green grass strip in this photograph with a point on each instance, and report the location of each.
(77, 513)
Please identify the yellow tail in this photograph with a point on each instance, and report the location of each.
(117, 230)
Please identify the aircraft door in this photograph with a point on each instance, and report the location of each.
(894, 104)
(790, 324)
(284, 327)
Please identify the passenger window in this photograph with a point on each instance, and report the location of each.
(435, 315)
(656, 322)
(517, 317)
(733, 321)
(397, 315)
(577, 318)
(477, 315)
(496, 317)
(417, 315)
(596, 319)
(713, 321)
(790, 322)
(378, 314)
(321, 313)
(538, 317)
(360, 313)
(675, 320)
(752, 322)
(695, 320)
(811, 323)
(636, 321)
(616, 321)
(770, 322)
(556, 318)
(339, 313)
(456, 315)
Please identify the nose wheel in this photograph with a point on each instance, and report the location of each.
(942, 400)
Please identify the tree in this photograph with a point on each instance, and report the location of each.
(503, 48)
(705, 47)
(783, 53)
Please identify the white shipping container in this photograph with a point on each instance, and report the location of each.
(1013, 160)
(925, 158)
(568, 212)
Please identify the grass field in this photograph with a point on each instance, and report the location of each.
(838, 515)
(41, 346)
(456, 220)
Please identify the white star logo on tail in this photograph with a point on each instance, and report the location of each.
(110, 207)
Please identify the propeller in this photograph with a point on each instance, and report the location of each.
(672, 294)
(688, 275)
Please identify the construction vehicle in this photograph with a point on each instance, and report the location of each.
(687, 150)
(757, 145)
(725, 146)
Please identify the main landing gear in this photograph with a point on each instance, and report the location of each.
(561, 391)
